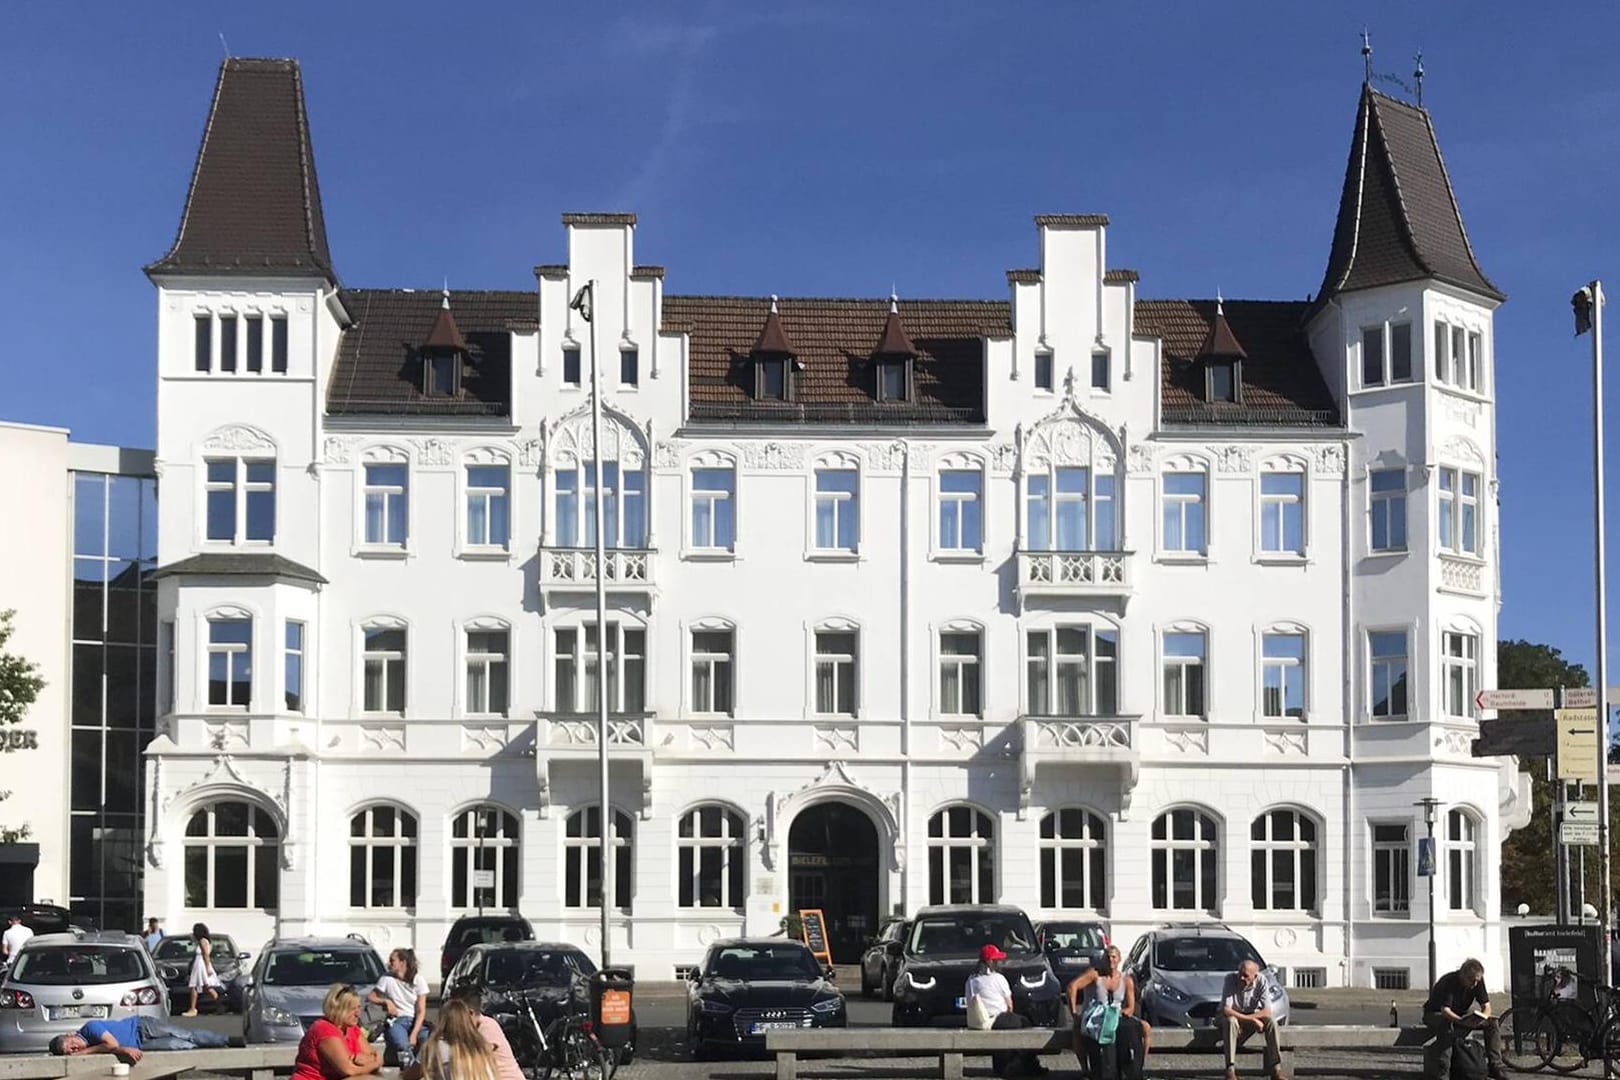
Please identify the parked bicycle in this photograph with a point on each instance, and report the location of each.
(562, 1048)
(1560, 1033)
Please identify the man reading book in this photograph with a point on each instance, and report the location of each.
(1457, 1005)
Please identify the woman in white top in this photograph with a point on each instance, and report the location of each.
(990, 1008)
(404, 993)
(1106, 984)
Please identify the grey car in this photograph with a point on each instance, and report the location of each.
(291, 978)
(59, 981)
(1181, 969)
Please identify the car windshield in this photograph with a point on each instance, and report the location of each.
(488, 931)
(1074, 937)
(321, 967)
(182, 948)
(1203, 954)
(966, 933)
(764, 962)
(78, 965)
(536, 967)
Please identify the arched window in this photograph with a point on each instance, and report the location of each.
(1462, 844)
(961, 857)
(230, 860)
(484, 858)
(1074, 851)
(1282, 861)
(582, 859)
(713, 858)
(382, 858)
(1186, 862)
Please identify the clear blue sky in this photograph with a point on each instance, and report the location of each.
(833, 148)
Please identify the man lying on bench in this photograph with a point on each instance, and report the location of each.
(126, 1038)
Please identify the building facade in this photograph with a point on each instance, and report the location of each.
(1148, 609)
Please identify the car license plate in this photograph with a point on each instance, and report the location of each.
(78, 1012)
(961, 1003)
(763, 1026)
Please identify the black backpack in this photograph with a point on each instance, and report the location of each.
(1467, 1059)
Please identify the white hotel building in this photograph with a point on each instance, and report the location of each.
(1148, 609)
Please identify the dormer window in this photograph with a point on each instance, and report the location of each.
(773, 359)
(441, 373)
(771, 378)
(1222, 359)
(892, 357)
(1223, 381)
(894, 379)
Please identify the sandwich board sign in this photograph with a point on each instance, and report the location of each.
(814, 925)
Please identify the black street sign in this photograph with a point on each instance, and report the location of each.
(1526, 735)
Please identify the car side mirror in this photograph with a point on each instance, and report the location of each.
(242, 956)
(694, 975)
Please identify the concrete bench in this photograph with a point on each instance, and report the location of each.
(247, 1062)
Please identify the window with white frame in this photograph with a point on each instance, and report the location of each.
(630, 367)
(387, 504)
(1386, 694)
(1392, 869)
(487, 681)
(1185, 512)
(571, 365)
(961, 509)
(484, 858)
(1072, 671)
(1070, 509)
(577, 667)
(624, 506)
(1386, 354)
(232, 857)
(961, 857)
(1282, 513)
(837, 509)
(714, 508)
(712, 671)
(711, 858)
(240, 500)
(383, 669)
(487, 488)
(1074, 861)
(293, 666)
(166, 651)
(1460, 655)
(1462, 848)
(1101, 376)
(1459, 511)
(1185, 652)
(1282, 861)
(959, 657)
(582, 859)
(1282, 675)
(382, 858)
(1044, 370)
(230, 663)
(1186, 862)
(1457, 356)
(837, 671)
(1387, 509)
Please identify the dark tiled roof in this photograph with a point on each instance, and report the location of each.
(254, 204)
(1120, 277)
(1071, 219)
(1221, 341)
(240, 564)
(1281, 383)
(895, 341)
(379, 367)
(551, 270)
(647, 271)
(1398, 218)
(773, 340)
(833, 341)
(599, 219)
(1023, 277)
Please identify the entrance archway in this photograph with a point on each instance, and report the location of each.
(833, 864)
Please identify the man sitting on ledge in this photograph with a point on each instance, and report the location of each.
(1457, 1005)
(126, 1038)
(1244, 1012)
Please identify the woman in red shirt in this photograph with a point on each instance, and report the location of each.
(334, 1047)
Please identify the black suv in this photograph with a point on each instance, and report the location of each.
(942, 950)
(470, 930)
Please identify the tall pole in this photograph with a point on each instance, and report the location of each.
(1605, 888)
(605, 818)
(1434, 871)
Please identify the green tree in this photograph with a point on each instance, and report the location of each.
(20, 685)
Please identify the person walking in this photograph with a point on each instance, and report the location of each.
(404, 993)
(153, 935)
(11, 942)
(334, 1047)
(1108, 988)
(1459, 1004)
(1244, 1012)
(126, 1038)
(990, 1008)
(203, 978)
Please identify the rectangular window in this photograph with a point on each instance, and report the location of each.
(1400, 352)
(1282, 677)
(1184, 512)
(1073, 671)
(836, 672)
(166, 687)
(567, 517)
(773, 379)
(1223, 383)
(240, 499)
(1388, 509)
(253, 326)
(1387, 693)
(960, 509)
(486, 505)
(1460, 653)
(278, 344)
(711, 672)
(837, 509)
(571, 365)
(959, 674)
(387, 494)
(1100, 375)
(486, 672)
(1379, 368)
(441, 374)
(219, 486)
(1079, 517)
(1471, 365)
(1442, 353)
(203, 343)
(626, 506)
(230, 663)
(227, 343)
(293, 667)
(577, 669)
(1459, 516)
(1372, 356)
(259, 490)
(1184, 654)
(383, 668)
(1392, 867)
(1282, 513)
(714, 509)
(892, 381)
(629, 367)
(1043, 371)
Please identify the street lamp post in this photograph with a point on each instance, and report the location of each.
(1429, 805)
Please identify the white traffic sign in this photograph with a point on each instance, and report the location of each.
(1581, 812)
(485, 879)
(1577, 744)
(1581, 697)
(1514, 699)
(1578, 833)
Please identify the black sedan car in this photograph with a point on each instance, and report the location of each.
(1072, 945)
(173, 957)
(746, 987)
(553, 977)
(882, 959)
(942, 951)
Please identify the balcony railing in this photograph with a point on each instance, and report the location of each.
(1069, 742)
(1074, 573)
(568, 740)
(1460, 575)
(573, 730)
(624, 569)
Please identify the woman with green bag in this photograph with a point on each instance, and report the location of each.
(1109, 1041)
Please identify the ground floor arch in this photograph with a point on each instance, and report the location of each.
(835, 864)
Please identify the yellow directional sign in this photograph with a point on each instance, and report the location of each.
(1577, 744)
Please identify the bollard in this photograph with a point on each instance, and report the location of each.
(1394, 1016)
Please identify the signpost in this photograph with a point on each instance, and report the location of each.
(1577, 757)
(1514, 699)
(1580, 824)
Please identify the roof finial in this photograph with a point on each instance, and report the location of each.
(894, 300)
(1418, 76)
(446, 303)
(773, 303)
(1366, 56)
(223, 44)
(1220, 308)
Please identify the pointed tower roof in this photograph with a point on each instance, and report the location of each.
(895, 341)
(445, 333)
(772, 338)
(1221, 343)
(254, 205)
(1398, 217)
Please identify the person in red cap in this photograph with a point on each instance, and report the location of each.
(990, 1008)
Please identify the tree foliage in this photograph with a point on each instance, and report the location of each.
(20, 685)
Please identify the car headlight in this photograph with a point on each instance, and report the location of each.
(916, 984)
(715, 1008)
(830, 1005)
(1171, 994)
(1035, 984)
(278, 1017)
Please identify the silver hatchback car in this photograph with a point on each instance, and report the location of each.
(59, 981)
(291, 978)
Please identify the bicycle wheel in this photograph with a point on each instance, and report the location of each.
(1607, 1043)
(1572, 1043)
(1529, 1038)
